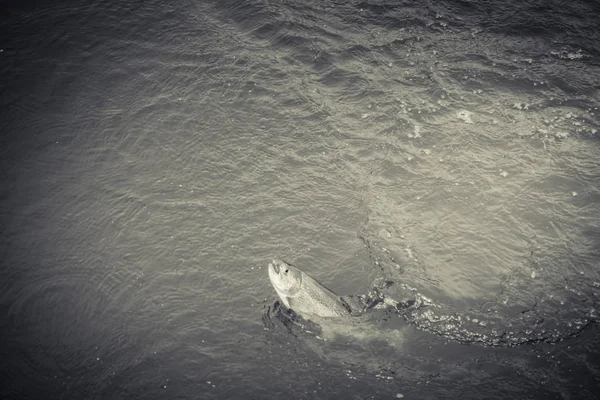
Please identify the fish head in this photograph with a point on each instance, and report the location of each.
(286, 279)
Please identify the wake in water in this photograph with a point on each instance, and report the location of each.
(498, 322)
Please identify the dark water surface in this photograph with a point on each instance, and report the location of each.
(156, 155)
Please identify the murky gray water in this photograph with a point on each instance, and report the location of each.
(156, 156)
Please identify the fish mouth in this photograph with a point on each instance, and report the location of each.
(275, 267)
(274, 273)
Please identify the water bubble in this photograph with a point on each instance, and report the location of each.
(465, 116)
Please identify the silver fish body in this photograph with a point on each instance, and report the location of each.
(303, 294)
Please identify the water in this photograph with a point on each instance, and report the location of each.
(155, 156)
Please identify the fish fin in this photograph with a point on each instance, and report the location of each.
(288, 302)
(346, 305)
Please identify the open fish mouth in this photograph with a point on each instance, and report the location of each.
(275, 267)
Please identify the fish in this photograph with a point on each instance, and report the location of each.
(302, 294)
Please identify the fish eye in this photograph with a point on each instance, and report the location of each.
(286, 271)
